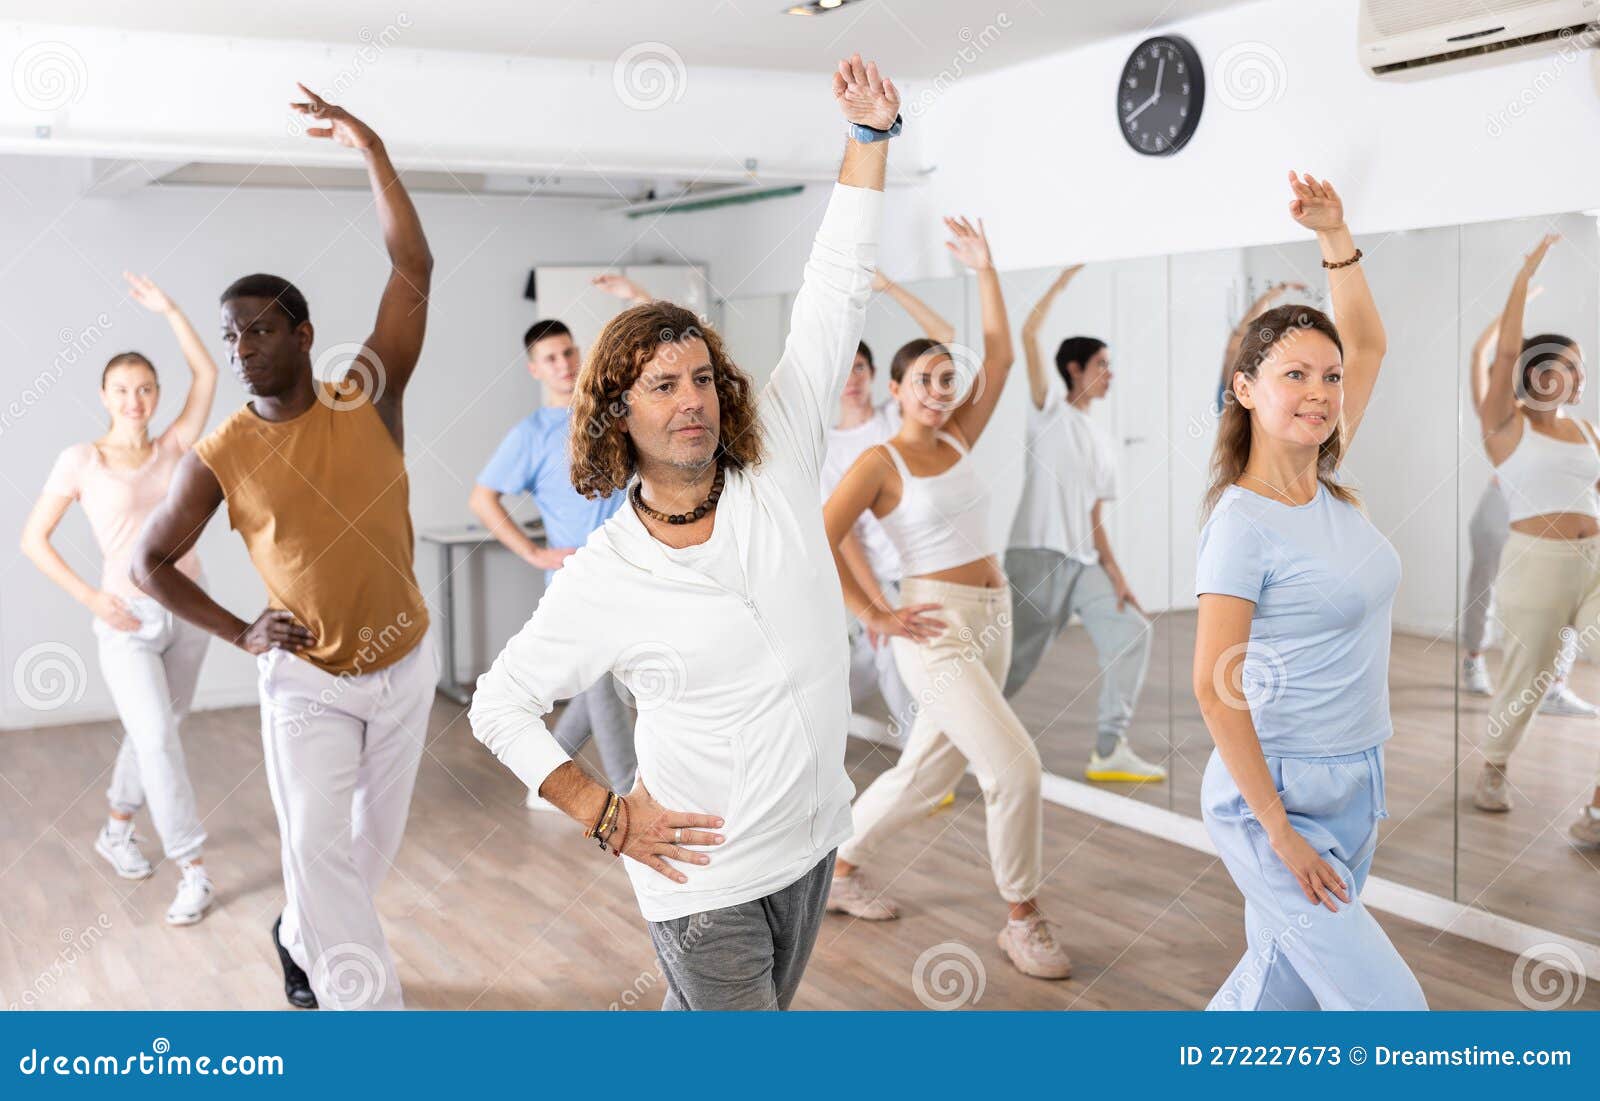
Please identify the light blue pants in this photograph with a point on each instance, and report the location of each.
(1300, 955)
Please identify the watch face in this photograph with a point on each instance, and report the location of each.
(1160, 95)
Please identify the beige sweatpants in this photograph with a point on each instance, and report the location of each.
(961, 716)
(1546, 587)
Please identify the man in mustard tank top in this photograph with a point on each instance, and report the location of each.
(313, 475)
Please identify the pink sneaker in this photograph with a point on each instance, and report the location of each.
(1033, 950)
(852, 894)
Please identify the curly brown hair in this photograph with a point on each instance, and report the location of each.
(1234, 435)
(603, 457)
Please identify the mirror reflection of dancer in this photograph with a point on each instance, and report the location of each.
(952, 633)
(1547, 462)
(1230, 352)
(533, 459)
(151, 660)
(314, 478)
(1059, 560)
(1487, 532)
(1291, 667)
(712, 596)
(867, 549)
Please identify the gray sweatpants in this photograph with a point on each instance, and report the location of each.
(599, 713)
(749, 956)
(1047, 588)
(1487, 533)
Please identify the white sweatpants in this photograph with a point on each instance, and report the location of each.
(342, 756)
(152, 672)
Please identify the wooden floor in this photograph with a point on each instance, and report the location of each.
(1520, 864)
(491, 906)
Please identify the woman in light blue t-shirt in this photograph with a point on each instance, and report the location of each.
(1295, 587)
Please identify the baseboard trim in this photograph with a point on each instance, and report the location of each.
(1423, 907)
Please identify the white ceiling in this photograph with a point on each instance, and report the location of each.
(913, 38)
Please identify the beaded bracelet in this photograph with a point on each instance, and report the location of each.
(1343, 263)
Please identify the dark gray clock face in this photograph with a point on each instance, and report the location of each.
(1159, 96)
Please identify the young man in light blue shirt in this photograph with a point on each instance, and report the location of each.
(533, 459)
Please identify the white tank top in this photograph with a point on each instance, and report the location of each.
(1546, 475)
(942, 520)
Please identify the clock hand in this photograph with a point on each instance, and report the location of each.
(1147, 103)
(1161, 67)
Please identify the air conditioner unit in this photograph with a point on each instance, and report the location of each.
(1409, 39)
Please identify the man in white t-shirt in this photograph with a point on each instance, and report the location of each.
(1059, 560)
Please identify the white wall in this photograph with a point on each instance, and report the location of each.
(62, 259)
(1036, 147)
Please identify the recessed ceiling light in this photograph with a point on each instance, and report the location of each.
(817, 7)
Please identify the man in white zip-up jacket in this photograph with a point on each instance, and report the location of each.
(712, 595)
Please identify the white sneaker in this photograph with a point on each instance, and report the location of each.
(122, 853)
(535, 801)
(1475, 676)
(1561, 700)
(194, 897)
(1123, 765)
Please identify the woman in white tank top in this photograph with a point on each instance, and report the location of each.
(952, 634)
(1548, 465)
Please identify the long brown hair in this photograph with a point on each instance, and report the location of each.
(602, 455)
(1235, 433)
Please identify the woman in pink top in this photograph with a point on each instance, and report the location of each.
(150, 659)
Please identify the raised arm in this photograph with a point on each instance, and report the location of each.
(1483, 353)
(1263, 302)
(1317, 206)
(190, 423)
(390, 353)
(1038, 377)
(1499, 406)
(801, 401)
(622, 287)
(971, 246)
(933, 326)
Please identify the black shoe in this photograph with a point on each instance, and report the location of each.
(296, 987)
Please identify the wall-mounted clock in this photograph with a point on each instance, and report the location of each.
(1159, 95)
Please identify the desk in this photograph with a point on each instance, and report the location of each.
(447, 540)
